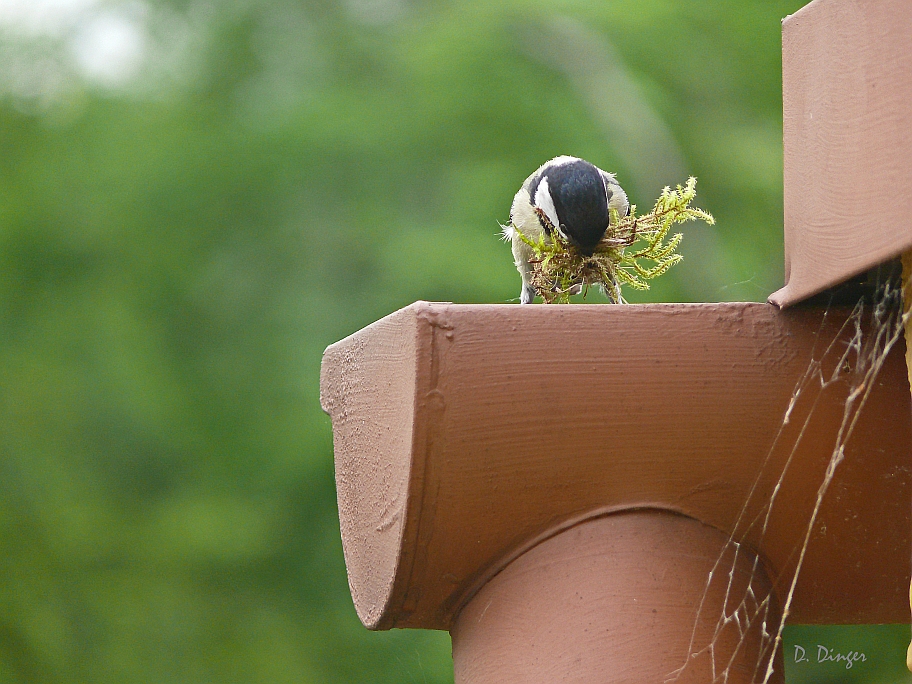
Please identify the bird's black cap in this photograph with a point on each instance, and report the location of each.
(580, 199)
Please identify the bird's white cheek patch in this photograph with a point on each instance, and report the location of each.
(545, 203)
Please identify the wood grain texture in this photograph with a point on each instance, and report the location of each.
(467, 434)
(612, 601)
(847, 89)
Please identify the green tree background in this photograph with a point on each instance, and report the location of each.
(188, 219)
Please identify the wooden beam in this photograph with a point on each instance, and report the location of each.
(466, 435)
(613, 600)
(847, 89)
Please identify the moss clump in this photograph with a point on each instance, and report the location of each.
(633, 251)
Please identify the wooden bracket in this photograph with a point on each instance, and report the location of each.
(465, 435)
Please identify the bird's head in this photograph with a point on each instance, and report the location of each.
(574, 195)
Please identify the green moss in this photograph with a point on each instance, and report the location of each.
(633, 251)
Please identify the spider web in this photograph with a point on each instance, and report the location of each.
(855, 353)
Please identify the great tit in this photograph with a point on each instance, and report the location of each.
(568, 195)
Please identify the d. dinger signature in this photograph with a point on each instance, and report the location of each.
(825, 655)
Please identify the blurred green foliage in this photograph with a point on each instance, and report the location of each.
(819, 654)
(175, 254)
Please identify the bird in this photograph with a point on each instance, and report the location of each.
(567, 195)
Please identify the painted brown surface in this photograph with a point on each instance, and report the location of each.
(467, 434)
(370, 388)
(613, 600)
(847, 89)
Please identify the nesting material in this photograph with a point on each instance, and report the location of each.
(633, 251)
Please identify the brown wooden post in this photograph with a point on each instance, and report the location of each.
(616, 595)
(847, 89)
(554, 485)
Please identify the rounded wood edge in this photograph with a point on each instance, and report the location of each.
(459, 601)
(368, 383)
(623, 597)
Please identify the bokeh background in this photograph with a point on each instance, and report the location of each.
(196, 197)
